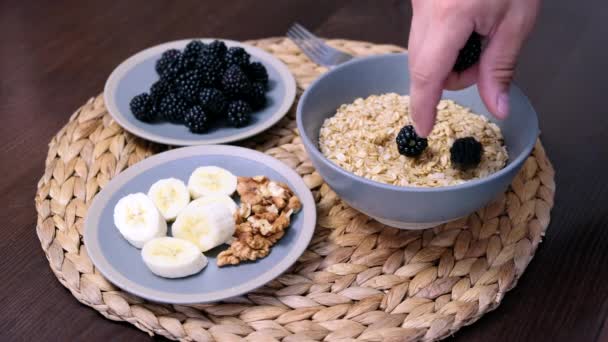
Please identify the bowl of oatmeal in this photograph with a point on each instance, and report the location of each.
(350, 118)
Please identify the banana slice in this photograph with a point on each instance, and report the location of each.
(223, 199)
(138, 220)
(170, 196)
(211, 180)
(206, 226)
(169, 257)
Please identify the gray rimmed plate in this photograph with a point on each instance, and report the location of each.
(122, 265)
(136, 74)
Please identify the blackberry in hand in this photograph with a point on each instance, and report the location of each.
(237, 56)
(465, 153)
(213, 101)
(257, 73)
(166, 59)
(469, 54)
(235, 83)
(216, 48)
(141, 107)
(239, 113)
(409, 143)
(188, 85)
(197, 120)
(257, 96)
(173, 108)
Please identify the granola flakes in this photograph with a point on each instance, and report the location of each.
(360, 138)
(264, 214)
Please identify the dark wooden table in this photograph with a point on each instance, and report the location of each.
(54, 55)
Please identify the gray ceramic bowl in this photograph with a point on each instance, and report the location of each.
(397, 206)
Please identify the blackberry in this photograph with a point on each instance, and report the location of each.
(194, 49)
(188, 85)
(211, 62)
(159, 90)
(180, 65)
(238, 113)
(409, 143)
(141, 107)
(257, 73)
(173, 108)
(257, 96)
(237, 56)
(197, 120)
(469, 54)
(188, 62)
(213, 101)
(216, 48)
(235, 83)
(211, 68)
(465, 153)
(166, 59)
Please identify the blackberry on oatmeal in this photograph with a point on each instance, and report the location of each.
(361, 138)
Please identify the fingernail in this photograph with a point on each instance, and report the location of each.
(502, 104)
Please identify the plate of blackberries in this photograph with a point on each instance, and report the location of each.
(199, 91)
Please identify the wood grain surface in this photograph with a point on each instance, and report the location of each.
(55, 55)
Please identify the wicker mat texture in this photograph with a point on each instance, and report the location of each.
(357, 280)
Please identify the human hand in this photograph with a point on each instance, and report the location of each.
(440, 28)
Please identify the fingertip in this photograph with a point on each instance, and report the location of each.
(423, 109)
(502, 106)
(494, 97)
(489, 91)
(422, 131)
(422, 124)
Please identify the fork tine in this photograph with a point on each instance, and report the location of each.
(306, 48)
(309, 35)
(313, 48)
(310, 54)
(312, 40)
(297, 39)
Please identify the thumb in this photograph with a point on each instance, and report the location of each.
(497, 66)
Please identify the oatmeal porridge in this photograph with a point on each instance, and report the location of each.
(360, 138)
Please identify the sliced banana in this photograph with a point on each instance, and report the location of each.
(170, 196)
(170, 257)
(206, 226)
(211, 180)
(138, 220)
(223, 199)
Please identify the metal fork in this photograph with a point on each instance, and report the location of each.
(315, 48)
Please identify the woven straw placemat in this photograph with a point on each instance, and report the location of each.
(357, 280)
